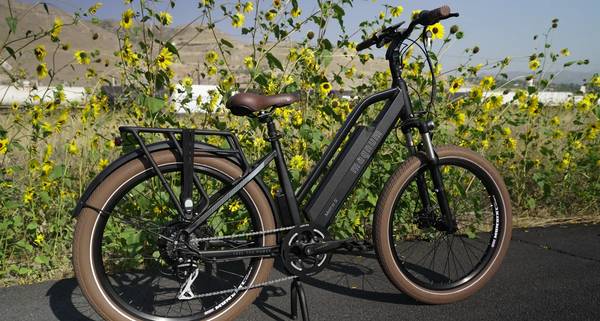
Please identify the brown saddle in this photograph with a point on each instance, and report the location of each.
(244, 104)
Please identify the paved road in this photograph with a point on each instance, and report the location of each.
(549, 274)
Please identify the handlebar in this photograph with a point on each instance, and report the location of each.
(425, 18)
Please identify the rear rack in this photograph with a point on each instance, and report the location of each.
(184, 141)
(172, 134)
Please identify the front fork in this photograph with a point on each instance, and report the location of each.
(427, 216)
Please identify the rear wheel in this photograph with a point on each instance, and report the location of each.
(415, 250)
(125, 257)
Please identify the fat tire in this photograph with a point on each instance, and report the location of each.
(384, 211)
(84, 231)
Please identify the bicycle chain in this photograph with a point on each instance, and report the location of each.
(233, 236)
(182, 293)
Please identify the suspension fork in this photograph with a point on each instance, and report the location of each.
(448, 219)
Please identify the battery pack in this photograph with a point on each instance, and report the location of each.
(344, 174)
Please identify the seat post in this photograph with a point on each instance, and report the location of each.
(282, 172)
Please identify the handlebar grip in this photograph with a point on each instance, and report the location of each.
(366, 44)
(427, 18)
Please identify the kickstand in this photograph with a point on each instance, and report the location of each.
(297, 294)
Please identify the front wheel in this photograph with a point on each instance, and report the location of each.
(417, 253)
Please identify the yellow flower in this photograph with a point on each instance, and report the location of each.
(211, 57)
(596, 81)
(476, 93)
(259, 143)
(237, 20)
(42, 71)
(577, 144)
(565, 52)
(93, 9)
(40, 53)
(164, 59)
(297, 118)
(72, 148)
(534, 64)
(296, 12)
(381, 15)
(511, 143)
(506, 131)
(82, 57)
(249, 62)
(397, 11)
(460, 118)
(48, 152)
(187, 81)
(212, 70)
(56, 28)
(297, 162)
(437, 31)
(102, 163)
(127, 19)
(325, 88)
(235, 206)
(485, 144)
(165, 18)
(227, 81)
(350, 72)
(3, 146)
(456, 84)
(28, 195)
(555, 121)
(248, 6)
(487, 83)
(271, 14)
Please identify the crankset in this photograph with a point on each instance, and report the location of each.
(304, 250)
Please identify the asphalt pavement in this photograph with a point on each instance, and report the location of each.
(549, 274)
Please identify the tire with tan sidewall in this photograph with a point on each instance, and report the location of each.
(384, 211)
(83, 262)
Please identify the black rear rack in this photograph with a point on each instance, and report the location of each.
(184, 141)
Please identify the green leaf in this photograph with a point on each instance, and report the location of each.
(172, 49)
(58, 172)
(11, 52)
(154, 105)
(326, 58)
(42, 259)
(274, 62)
(226, 43)
(12, 24)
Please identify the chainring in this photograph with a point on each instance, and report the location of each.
(295, 260)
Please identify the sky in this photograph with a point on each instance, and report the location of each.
(500, 28)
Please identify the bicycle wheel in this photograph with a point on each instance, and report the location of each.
(128, 265)
(414, 250)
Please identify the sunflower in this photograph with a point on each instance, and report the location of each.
(164, 59)
(93, 9)
(534, 64)
(40, 52)
(487, 82)
(127, 19)
(212, 70)
(56, 28)
(437, 31)
(325, 88)
(211, 57)
(187, 81)
(456, 84)
(297, 162)
(3, 146)
(42, 71)
(396, 11)
(249, 62)
(72, 148)
(565, 52)
(296, 12)
(165, 18)
(248, 6)
(237, 20)
(271, 14)
(82, 57)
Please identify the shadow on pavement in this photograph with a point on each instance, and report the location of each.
(67, 302)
